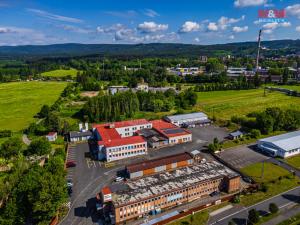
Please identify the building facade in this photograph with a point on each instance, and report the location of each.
(118, 141)
(152, 194)
(284, 145)
(153, 166)
(188, 119)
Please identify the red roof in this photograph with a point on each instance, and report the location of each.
(168, 129)
(110, 136)
(122, 141)
(158, 162)
(106, 190)
(126, 123)
(51, 133)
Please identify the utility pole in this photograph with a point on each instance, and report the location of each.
(262, 170)
(258, 49)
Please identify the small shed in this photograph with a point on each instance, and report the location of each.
(235, 135)
(51, 136)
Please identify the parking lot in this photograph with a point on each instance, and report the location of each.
(89, 176)
(242, 156)
(202, 136)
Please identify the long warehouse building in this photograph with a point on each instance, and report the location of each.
(189, 119)
(284, 145)
(152, 194)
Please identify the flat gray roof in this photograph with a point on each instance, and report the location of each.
(187, 116)
(288, 141)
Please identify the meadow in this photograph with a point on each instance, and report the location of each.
(225, 104)
(60, 73)
(21, 101)
(276, 179)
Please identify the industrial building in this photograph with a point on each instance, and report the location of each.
(153, 166)
(118, 141)
(152, 194)
(84, 134)
(189, 119)
(284, 145)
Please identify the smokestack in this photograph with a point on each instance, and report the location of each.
(86, 125)
(80, 126)
(258, 50)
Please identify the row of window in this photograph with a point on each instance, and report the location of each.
(117, 149)
(140, 207)
(142, 151)
(135, 128)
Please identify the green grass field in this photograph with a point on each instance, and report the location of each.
(271, 179)
(294, 161)
(20, 101)
(60, 73)
(225, 104)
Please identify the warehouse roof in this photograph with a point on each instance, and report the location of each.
(162, 183)
(158, 162)
(76, 134)
(187, 116)
(168, 129)
(288, 141)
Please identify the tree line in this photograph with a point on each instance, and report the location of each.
(127, 104)
(270, 120)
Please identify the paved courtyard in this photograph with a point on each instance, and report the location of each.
(242, 156)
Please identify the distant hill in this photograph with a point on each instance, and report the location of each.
(278, 47)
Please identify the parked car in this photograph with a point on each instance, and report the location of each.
(71, 164)
(69, 183)
(70, 191)
(215, 193)
(118, 179)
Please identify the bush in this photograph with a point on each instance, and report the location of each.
(39, 146)
(253, 216)
(273, 208)
(5, 133)
(236, 199)
(264, 187)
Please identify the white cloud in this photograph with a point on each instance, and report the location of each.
(224, 22)
(197, 39)
(150, 27)
(237, 29)
(268, 31)
(231, 37)
(275, 25)
(110, 30)
(298, 29)
(24, 36)
(212, 26)
(293, 10)
(189, 26)
(246, 3)
(151, 13)
(123, 34)
(52, 16)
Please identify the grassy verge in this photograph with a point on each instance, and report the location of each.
(199, 218)
(295, 220)
(276, 179)
(294, 161)
(247, 140)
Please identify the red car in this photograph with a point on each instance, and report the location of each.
(70, 164)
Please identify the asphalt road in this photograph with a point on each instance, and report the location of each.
(90, 176)
(239, 214)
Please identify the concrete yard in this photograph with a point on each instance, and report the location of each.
(242, 156)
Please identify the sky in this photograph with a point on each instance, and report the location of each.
(41, 22)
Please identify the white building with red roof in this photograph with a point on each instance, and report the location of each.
(174, 134)
(117, 140)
